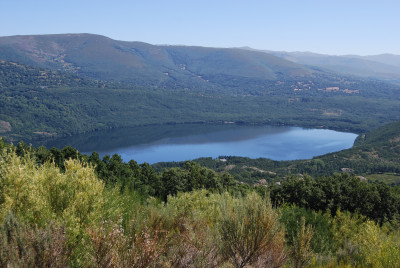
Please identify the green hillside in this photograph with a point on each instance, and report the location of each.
(38, 103)
(214, 70)
(13, 74)
(103, 58)
(60, 85)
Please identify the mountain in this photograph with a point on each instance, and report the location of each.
(389, 59)
(102, 58)
(385, 67)
(213, 70)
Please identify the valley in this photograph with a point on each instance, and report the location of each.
(338, 208)
(58, 85)
(217, 134)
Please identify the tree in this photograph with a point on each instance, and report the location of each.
(174, 180)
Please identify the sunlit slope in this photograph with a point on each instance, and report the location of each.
(103, 58)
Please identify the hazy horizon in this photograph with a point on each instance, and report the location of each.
(333, 28)
(243, 47)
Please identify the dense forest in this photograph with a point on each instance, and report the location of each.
(40, 103)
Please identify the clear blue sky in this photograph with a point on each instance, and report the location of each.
(362, 27)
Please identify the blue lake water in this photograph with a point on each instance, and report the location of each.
(187, 142)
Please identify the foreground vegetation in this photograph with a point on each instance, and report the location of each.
(57, 209)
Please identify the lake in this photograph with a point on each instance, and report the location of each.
(166, 143)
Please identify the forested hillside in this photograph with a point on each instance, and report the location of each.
(103, 58)
(39, 103)
(58, 85)
(212, 70)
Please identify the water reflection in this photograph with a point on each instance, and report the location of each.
(185, 142)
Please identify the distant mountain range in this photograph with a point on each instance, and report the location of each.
(385, 67)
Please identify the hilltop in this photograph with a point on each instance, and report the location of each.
(384, 67)
(206, 69)
(100, 57)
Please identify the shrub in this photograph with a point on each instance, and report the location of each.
(21, 246)
(38, 194)
(250, 232)
(301, 253)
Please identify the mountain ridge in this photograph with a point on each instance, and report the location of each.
(384, 67)
(102, 57)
